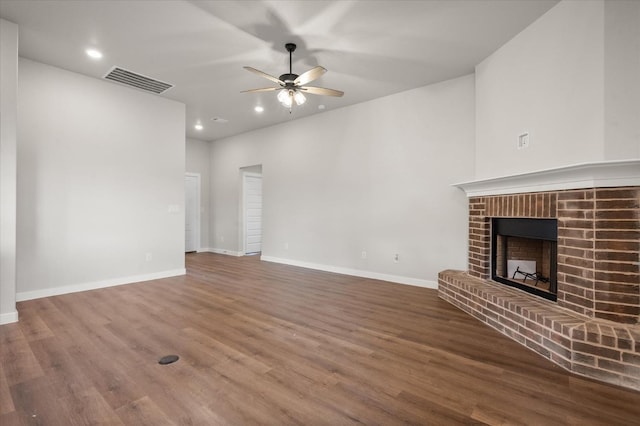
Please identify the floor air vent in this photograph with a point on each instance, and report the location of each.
(168, 359)
(122, 76)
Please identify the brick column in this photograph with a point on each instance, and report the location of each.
(479, 239)
(617, 254)
(576, 250)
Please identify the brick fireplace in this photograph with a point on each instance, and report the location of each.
(593, 328)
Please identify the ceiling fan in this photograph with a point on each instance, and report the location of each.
(292, 86)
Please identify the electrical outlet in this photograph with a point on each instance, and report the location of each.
(396, 258)
(286, 246)
(364, 254)
(148, 257)
(222, 238)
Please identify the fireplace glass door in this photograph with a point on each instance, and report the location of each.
(524, 254)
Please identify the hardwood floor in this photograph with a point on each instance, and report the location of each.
(263, 343)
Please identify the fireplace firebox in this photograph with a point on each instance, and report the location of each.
(524, 254)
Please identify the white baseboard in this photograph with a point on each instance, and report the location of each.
(355, 272)
(56, 291)
(221, 251)
(9, 317)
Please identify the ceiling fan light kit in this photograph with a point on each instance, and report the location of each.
(292, 85)
(288, 96)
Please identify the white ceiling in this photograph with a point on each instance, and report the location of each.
(371, 48)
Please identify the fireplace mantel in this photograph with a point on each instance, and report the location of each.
(605, 174)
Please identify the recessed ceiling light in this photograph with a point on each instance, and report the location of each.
(321, 106)
(258, 109)
(94, 54)
(198, 126)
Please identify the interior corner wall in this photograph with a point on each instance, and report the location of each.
(373, 177)
(198, 159)
(547, 81)
(100, 183)
(622, 79)
(8, 164)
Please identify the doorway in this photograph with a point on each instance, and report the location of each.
(252, 212)
(191, 212)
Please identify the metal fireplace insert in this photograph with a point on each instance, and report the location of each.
(524, 254)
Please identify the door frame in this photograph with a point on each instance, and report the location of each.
(243, 210)
(198, 207)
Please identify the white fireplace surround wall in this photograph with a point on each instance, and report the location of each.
(586, 175)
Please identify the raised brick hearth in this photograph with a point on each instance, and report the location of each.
(594, 327)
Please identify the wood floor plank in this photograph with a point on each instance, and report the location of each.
(179, 393)
(143, 412)
(36, 402)
(280, 402)
(90, 408)
(270, 344)
(33, 327)
(14, 418)
(225, 354)
(113, 384)
(60, 368)
(18, 362)
(6, 403)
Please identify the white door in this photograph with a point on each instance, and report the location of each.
(252, 213)
(191, 210)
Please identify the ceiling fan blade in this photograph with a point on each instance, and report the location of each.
(265, 75)
(264, 89)
(309, 76)
(321, 91)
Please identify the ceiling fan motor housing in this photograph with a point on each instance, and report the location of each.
(288, 78)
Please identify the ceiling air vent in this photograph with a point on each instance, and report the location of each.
(122, 76)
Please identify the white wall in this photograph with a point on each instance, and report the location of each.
(99, 166)
(548, 81)
(622, 79)
(372, 177)
(8, 163)
(572, 80)
(198, 160)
